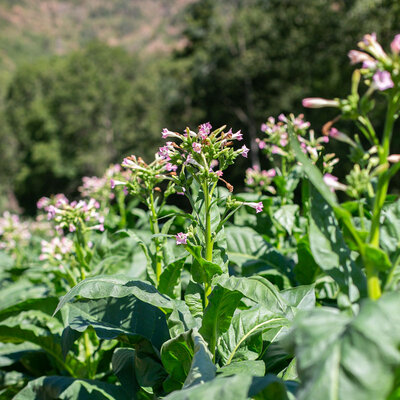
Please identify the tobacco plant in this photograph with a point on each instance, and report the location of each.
(239, 295)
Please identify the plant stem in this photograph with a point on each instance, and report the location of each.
(207, 238)
(121, 208)
(374, 288)
(88, 352)
(155, 230)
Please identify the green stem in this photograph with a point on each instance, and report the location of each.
(88, 353)
(207, 239)
(155, 230)
(373, 283)
(121, 209)
(361, 214)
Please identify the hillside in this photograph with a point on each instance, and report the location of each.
(33, 28)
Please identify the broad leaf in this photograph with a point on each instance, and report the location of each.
(170, 279)
(101, 287)
(343, 358)
(127, 319)
(331, 252)
(187, 360)
(218, 314)
(65, 388)
(252, 254)
(243, 340)
(257, 289)
(238, 387)
(123, 366)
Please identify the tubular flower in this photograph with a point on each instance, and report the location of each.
(333, 183)
(395, 45)
(257, 206)
(181, 238)
(318, 102)
(382, 80)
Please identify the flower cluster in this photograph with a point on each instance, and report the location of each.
(13, 231)
(260, 180)
(205, 152)
(101, 188)
(379, 70)
(141, 178)
(82, 214)
(276, 144)
(56, 250)
(359, 179)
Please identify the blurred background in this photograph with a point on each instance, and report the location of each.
(85, 83)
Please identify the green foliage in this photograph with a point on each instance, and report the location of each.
(74, 115)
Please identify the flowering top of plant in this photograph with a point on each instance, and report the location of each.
(13, 231)
(260, 180)
(143, 178)
(83, 214)
(56, 249)
(380, 71)
(205, 153)
(101, 188)
(277, 141)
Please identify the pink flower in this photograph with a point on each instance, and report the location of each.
(219, 173)
(394, 158)
(205, 130)
(358, 56)
(72, 228)
(261, 144)
(42, 202)
(196, 147)
(167, 133)
(257, 206)
(318, 102)
(333, 184)
(244, 151)
(395, 45)
(277, 150)
(382, 80)
(369, 64)
(171, 167)
(181, 238)
(238, 135)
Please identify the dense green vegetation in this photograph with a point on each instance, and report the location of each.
(66, 116)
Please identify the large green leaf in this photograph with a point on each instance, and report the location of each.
(286, 216)
(39, 329)
(201, 269)
(123, 366)
(181, 319)
(249, 251)
(246, 367)
(20, 291)
(343, 358)
(10, 353)
(218, 314)
(187, 360)
(170, 282)
(238, 387)
(127, 319)
(100, 287)
(390, 230)
(64, 388)
(257, 289)
(243, 340)
(45, 305)
(331, 252)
